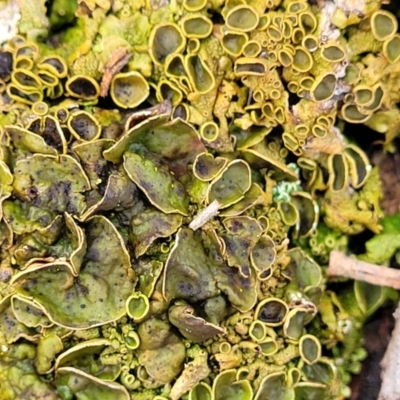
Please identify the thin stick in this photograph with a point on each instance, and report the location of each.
(348, 267)
(116, 62)
(390, 388)
(204, 216)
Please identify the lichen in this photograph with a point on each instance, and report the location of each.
(173, 176)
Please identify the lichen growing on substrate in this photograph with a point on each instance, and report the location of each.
(173, 177)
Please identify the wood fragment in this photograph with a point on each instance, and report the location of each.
(390, 388)
(205, 215)
(348, 267)
(116, 62)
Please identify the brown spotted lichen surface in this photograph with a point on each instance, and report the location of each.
(173, 177)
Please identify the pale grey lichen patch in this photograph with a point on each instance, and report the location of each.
(9, 17)
(328, 31)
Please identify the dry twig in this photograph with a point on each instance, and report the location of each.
(390, 388)
(348, 267)
(211, 211)
(116, 62)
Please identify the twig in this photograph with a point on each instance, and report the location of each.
(205, 215)
(390, 389)
(116, 62)
(348, 267)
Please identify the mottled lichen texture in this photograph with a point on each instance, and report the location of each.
(174, 175)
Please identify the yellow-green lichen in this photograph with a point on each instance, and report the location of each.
(163, 212)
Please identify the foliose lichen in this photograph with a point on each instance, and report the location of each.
(122, 122)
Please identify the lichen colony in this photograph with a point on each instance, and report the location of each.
(174, 175)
